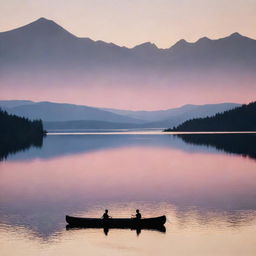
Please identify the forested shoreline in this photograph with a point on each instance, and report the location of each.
(18, 133)
(238, 119)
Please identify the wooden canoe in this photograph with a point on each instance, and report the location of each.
(116, 222)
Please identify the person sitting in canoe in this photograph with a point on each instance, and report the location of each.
(137, 215)
(105, 215)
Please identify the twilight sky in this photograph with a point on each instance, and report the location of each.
(132, 22)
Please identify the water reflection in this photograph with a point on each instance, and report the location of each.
(190, 231)
(206, 194)
(242, 144)
(13, 146)
(57, 146)
(106, 230)
(39, 193)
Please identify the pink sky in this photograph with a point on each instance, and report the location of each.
(128, 99)
(135, 94)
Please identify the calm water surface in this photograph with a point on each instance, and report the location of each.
(205, 187)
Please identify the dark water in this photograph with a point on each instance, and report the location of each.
(204, 184)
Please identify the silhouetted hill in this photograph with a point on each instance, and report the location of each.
(178, 115)
(14, 103)
(17, 133)
(239, 119)
(49, 111)
(83, 117)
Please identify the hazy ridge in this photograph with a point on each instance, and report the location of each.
(70, 116)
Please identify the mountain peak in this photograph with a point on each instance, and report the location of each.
(42, 19)
(41, 28)
(236, 35)
(43, 23)
(147, 45)
(180, 44)
(203, 39)
(182, 41)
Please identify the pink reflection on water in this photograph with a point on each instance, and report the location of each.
(134, 173)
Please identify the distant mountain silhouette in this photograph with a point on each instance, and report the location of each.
(42, 54)
(14, 103)
(239, 119)
(177, 115)
(44, 42)
(49, 111)
(70, 116)
(43, 34)
(232, 50)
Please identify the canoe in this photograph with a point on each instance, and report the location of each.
(116, 222)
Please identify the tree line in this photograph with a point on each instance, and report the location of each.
(238, 119)
(17, 133)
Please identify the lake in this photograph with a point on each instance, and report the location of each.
(204, 183)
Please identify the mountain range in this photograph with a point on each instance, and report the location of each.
(70, 116)
(44, 40)
(44, 59)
